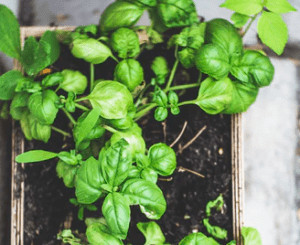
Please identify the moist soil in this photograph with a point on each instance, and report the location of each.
(47, 206)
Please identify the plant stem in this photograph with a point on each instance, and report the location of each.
(60, 131)
(249, 25)
(182, 170)
(69, 116)
(82, 107)
(115, 58)
(172, 74)
(92, 76)
(188, 102)
(110, 129)
(144, 111)
(185, 86)
(81, 99)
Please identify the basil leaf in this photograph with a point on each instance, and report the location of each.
(26, 84)
(160, 68)
(152, 233)
(35, 156)
(115, 166)
(8, 83)
(239, 20)
(42, 106)
(198, 238)
(130, 73)
(89, 181)
(73, 81)
(223, 34)
(112, 98)
(187, 57)
(85, 125)
(125, 42)
(176, 13)
(99, 234)
(52, 79)
(279, 6)
(123, 123)
(147, 195)
(217, 204)
(254, 68)
(116, 212)
(161, 113)
(19, 105)
(120, 14)
(215, 231)
(213, 60)
(144, 3)
(273, 31)
(90, 50)
(150, 175)
(10, 33)
(244, 6)
(162, 159)
(214, 96)
(251, 236)
(38, 55)
(67, 172)
(133, 137)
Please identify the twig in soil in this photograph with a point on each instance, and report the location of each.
(168, 179)
(164, 125)
(181, 149)
(182, 170)
(180, 134)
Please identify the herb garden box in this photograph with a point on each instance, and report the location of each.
(19, 224)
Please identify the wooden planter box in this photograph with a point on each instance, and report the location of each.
(18, 184)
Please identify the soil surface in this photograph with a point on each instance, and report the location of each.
(47, 207)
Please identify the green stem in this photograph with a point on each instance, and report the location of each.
(138, 101)
(172, 74)
(144, 111)
(115, 58)
(69, 116)
(188, 102)
(92, 76)
(185, 86)
(60, 131)
(249, 25)
(81, 99)
(110, 129)
(82, 107)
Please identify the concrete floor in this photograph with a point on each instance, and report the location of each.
(271, 126)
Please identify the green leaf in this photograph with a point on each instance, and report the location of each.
(35, 156)
(18, 105)
(130, 73)
(38, 55)
(222, 33)
(125, 42)
(273, 31)
(120, 14)
(162, 159)
(186, 57)
(254, 68)
(52, 79)
(10, 33)
(90, 50)
(161, 113)
(152, 233)
(147, 195)
(197, 239)
(145, 3)
(247, 7)
(67, 172)
(116, 163)
(86, 127)
(150, 175)
(251, 236)
(8, 83)
(89, 181)
(112, 98)
(279, 6)
(160, 68)
(99, 234)
(217, 204)
(116, 212)
(42, 106)
(215, 231)
(239, 20)
(214, 96)
(212, 60)
(175, 13)
(73, 81)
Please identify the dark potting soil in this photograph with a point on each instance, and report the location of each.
(47, 207)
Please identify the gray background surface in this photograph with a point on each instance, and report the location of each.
(271, 126)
